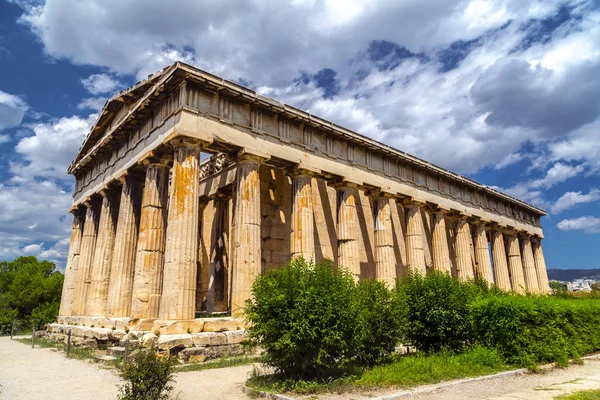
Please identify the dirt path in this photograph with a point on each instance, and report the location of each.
(32, 374)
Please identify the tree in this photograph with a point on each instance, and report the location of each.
(30, 291)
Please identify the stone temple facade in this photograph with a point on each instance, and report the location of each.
(162, 233)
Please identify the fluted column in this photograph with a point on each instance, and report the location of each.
(123, 259)
(385, 255)
(464, 261)
(540, 266)
(483, 264)
(247, 263)
(303, 225)
(501, 275)
(414, 238)
(347, 229)
(68, 292)
(100, 273)
(515, 264)
(441, 251)
(86, 256)
(147, 280)
(178, 299)
(531, 280)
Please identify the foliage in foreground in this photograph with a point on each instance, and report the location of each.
(582, 395)
(148, 376)
(30, 293)
(314, 319)
(317, 325)
(402, 371)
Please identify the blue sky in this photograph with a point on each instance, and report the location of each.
(505, 92)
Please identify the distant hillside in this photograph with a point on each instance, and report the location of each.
(572, 274)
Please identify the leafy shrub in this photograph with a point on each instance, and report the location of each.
(7, 318)
(148, 377)
(304, 317)
(378, 322)
(436, 310)
(528, 330)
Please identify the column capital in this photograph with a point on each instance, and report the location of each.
(379, 193)
(78, 210)
(346, 183)
(252, 155)
(304, 169)
(411, 202)
(186, 141)
(437, 209)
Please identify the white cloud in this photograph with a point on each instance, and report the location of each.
(12, 110)
(557, 174)
(588, 224)
(4, 139)
(570, 199)
(51, 149)
(92, 103)
(100, 83)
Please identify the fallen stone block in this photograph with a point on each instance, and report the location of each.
(209, 339)
(167, 342)
(220, 324)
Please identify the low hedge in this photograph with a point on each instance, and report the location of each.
(530, 329)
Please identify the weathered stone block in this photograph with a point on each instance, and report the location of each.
(209, 339)
(144, 324)
(116, 335)
(235, 337)
(123, 324)
(200, 354)
(219, 324)
(167, 342)
(179, 327)
(149, 340)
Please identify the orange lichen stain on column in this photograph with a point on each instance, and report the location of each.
(248, 185)
(184, 175)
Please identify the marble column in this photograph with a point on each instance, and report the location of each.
(515, 264)
(441, 251)
(385, 255)
(123, 259)
(247, 241)
(86, 255)
(178, 299)
(414, 238)
(483, 264)
(531, 280)
(347, 229)
(464, 261)
(68, 293)
(100, 273)
(147, 280)
(501, 275)
(303, 225)
(540, 266)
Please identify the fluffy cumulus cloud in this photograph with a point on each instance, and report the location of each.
(571, 199)
(35, 200)
(12, 110)
(100, 83)
(588, 224)
(463, 84)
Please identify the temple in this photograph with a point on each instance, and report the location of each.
(188, 186)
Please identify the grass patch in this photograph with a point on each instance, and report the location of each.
(219, 363)
(403, 371)
(583, 395)
(77, 353)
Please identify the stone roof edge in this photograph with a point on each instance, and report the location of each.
(297, 114)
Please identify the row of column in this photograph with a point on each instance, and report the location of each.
(131, 255)
(518, 261)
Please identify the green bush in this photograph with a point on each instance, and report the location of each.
(148, 377)
(304, 317)
(436, 310)
(378, 322)
(529, 330)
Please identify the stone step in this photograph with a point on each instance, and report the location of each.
(106, 358)
(115, 351)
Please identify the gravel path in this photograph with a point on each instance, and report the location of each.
(32, 374)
